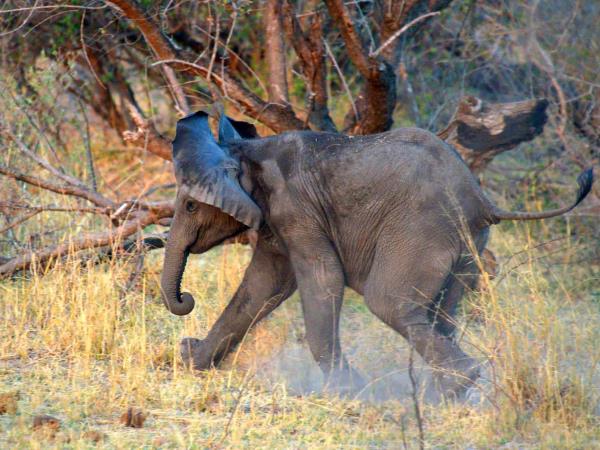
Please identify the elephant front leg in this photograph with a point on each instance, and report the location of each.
(321, 284)
(268, 281)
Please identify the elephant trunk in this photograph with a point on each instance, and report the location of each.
(174, 265)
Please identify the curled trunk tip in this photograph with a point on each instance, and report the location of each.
(182, 306)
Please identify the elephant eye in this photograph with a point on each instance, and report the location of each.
(191, 206)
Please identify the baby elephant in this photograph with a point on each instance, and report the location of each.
(389, 215)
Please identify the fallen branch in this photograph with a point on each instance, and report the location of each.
(87, 241)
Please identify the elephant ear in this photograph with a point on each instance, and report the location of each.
(230, 129)
(206, 172)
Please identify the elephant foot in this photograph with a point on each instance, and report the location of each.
(344, 383)
(194, 354)
(453, 384)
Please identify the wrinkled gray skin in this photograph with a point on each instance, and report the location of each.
(385, 215)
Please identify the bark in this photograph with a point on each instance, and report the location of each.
(275, 53)
(479, 130)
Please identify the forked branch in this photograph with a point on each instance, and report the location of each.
(276, 116)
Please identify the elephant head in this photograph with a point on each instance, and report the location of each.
(211, 205)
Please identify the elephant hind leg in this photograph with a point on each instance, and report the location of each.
(402, 299)
(321, 280)
(463, 277)
(443, 309)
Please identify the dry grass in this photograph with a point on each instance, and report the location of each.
(74, 345)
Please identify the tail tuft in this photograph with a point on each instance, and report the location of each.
(585, 181)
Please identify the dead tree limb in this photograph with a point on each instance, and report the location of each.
(479, 130)
(87, 241)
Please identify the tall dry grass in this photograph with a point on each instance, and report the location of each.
(78, 345)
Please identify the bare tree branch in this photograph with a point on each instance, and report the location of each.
(277, 117)
(146, 135)
(310, 48)
(157, 43)
(72, 190)
(399, 33)
(354, 45)
(377, 100)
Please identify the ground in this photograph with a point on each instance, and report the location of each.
(83, 344)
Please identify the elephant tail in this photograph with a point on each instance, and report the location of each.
(584, 180)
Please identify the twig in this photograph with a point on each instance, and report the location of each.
(20, 220)
(135, 274)
(14, 30)
(402, 30)
(415, 398)
(104, 211)
(35, 126)
(41, 161)
(85, 54)
(213, 56)
(29, 8)
(88, 146)
(226, 47)
(235, 407)
(75, 191)
(343, 78)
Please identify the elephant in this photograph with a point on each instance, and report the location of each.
(397, 217)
